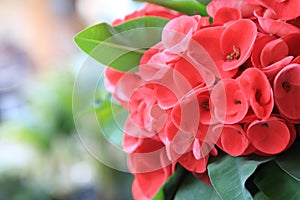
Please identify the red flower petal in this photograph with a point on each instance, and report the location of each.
(189, 72)
(230, 104)
(141, 145)
(151, 52)
(293, 41)
(275, 27)
(284, 9)
(274, 51)
(146, 185)
(269, 136)
(226, 14)
(126, 85)
(233, 139)
(178, 142)
(165, 97)
(197, 106)
(245, 8)
(187, 109)
(259, 44)
(272, 70)
(112, 77)
(149, 10)
(257, 88)
(237, 42)
(287, 91)
(205, 107)
(177, 33)
(203, 177)
(189, 162)
(209, 39)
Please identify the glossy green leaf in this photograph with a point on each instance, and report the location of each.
(193, 189)
(122, 46)
(111, 118)
(261, 196)
(228, 175)
(189, 7)
(276, 183)
(289, 161)
(167, 191)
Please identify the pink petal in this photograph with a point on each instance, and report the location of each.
(189, 162)
(160, 11)
(112, 77)
(133, 144)
(284, 9)
(130, 144)
(297, 60)
(140, 102)
(203, 177)
(287, 91)
(189, 72)
(226, 14)
(293, 41)
(274, 51)
(177, 33)
(257, 88)
(171, 87)
(230, 104)
(165, 97)
(259, 44)
(272, 70)
(158, 118)
(146, 185)
(149, 72)
(233, 140)
(157, 65)
(245, 8)
(126, 85)
(205, 107)
(209, 39)
(184, 111)
(233, 38)
(179, 141)
(151, 52)
(269, 136)
(275, 27)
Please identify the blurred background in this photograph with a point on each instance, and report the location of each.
(41, 156)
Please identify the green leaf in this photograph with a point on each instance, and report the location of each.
(204, 2)
(261, 196)
(168, 190)
(276, 183)
(189, 7)
(122, 46)
(191, 188)
(228, 175)
(289, 162)
(111, 119)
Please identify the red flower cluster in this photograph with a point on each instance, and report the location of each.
(232, 85)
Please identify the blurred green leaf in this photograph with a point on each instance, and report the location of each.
(205, 2)
(112, 118)
(228, 175)
(168, 190)
(288, 161)
(189, 7)
(14, 187)
(192, 188)
(276, 183)
(122, 46)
